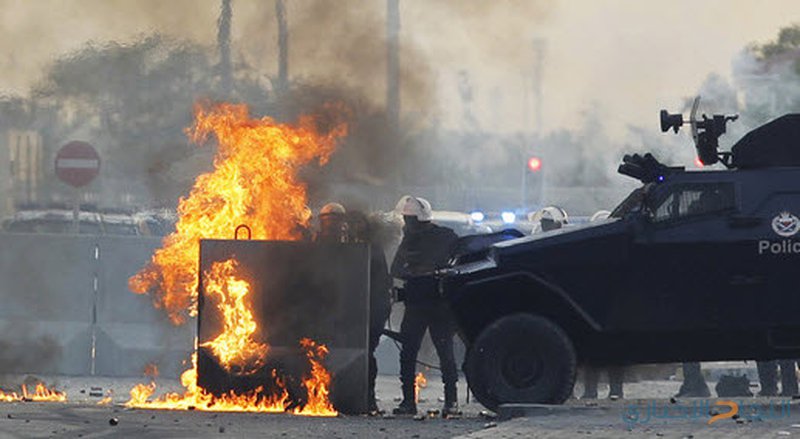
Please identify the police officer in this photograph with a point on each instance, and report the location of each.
(553, 218)
(425, 247)
(694, 384)
(591, 376)
(768, 377)
(548, 218)
(336, 225)
(360, 230)
(332, 224)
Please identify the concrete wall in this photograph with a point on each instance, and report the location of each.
(67, 309)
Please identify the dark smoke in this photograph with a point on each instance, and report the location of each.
(224, 45)
(283, 46)
(132, 101)
(22, 353)
(133, 97)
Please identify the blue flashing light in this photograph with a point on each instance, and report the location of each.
(477, 216)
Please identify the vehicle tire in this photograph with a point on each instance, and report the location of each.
(521, 358)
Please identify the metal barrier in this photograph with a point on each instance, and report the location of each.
(298, 290)
(67, 308)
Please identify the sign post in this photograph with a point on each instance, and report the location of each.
(77, 164)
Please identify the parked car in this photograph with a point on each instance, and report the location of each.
(62, 221)
(53, 221)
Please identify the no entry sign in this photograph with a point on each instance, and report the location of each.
(77, 163)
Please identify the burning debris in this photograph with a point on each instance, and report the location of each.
(317, 383)
(256, 400)
(420, 382)
(41, 393)
(240, 355)
(151, 370)
(254, 182)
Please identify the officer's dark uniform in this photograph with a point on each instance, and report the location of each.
(424, 248)
(359, 230)
(616, 376)
(380, 284)
(768, 377)
(694, 384)
(353, 226)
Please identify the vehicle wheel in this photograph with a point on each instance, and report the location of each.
(521, 358)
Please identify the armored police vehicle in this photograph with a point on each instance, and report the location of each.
(691, 266)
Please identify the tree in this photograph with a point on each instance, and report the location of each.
(133, 101)
(768, 77)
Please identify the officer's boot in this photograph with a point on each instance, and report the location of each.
(450, 408)
(616, 377)
(409, 405)
(372, 403)
(694, 384)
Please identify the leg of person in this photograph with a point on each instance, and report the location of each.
(694, 385)
(767, 377)
(590, 377)
(412, 329)
(374, 339)
(616, 375)
(788, 378)
(442, 328)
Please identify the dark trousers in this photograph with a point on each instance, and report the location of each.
(693, 379)
(616, 376)
(434, 316)
(374, 338)
(768, 377)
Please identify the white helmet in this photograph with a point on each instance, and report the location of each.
(414, 206)
(555, 213)
(549, 218)
(599, 215)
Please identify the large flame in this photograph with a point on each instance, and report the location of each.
(234, 348)
(254, 182)
(197, 398)
(316, 384)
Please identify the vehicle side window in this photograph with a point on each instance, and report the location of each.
(695, 199)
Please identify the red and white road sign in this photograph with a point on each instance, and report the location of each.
(77, 163)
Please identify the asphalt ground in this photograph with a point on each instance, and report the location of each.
(81, 416)
(607, 421)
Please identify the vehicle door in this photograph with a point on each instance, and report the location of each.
(680, 253)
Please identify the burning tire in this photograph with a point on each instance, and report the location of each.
(521, 358)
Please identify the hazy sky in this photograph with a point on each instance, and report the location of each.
(629, 57)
